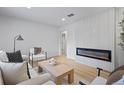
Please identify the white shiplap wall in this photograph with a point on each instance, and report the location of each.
(92, 32)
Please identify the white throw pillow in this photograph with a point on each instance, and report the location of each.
(13, 73)
(3, 56)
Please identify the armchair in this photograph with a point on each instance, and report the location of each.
(36, 54)
(113, 77)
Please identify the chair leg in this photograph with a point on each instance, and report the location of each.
(32, 63)
(29, 58)
(32, 60)
(46, 55)
(99, 70)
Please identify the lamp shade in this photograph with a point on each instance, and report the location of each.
(19, 38)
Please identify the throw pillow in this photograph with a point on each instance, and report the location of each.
(37, 50)
(15, 56)
(3, 56)
(14, 73)
(117, 75)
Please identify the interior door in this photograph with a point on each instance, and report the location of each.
(63, 43)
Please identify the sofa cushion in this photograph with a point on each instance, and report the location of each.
(41, 79)
(25, 58)
(15, 56)
(1, 78)
(115, 76)
(14, 73)
(3, 56)
(99, 81)
(49, 83)
(37, 57)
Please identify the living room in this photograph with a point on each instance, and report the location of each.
(84, 39)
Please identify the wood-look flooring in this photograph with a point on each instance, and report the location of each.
(81, 72)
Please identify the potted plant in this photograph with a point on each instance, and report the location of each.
(122, 33)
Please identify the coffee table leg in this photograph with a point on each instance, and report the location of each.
(58, 81)
(71, 77)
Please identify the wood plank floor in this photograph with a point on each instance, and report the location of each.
(81, 71)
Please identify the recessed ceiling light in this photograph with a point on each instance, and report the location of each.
(63, 19)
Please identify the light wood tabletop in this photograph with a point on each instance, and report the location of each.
(58, 71)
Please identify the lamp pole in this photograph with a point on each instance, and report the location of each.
(14, 44)
(19, 38)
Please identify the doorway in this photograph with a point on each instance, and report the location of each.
(64, 43)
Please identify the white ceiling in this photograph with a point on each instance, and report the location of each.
(50, 15)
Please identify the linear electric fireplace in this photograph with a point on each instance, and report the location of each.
(94, 53)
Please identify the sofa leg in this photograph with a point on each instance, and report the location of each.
(32, 63)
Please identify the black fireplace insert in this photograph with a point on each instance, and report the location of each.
(94, 53)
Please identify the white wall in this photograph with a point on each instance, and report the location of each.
(34, 34)
(92, 32)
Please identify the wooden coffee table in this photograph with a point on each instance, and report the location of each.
(58, 71)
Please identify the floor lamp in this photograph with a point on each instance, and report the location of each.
(19, 38)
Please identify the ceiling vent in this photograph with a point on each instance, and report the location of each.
(71, 15)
